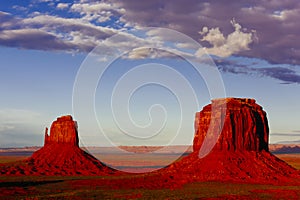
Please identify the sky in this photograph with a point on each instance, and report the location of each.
(80, 58)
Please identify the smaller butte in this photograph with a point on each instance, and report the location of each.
(60, 155)
(63, 131)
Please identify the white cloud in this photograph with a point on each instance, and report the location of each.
(52, 22)
(144, 52)
(73, 33)
(222, 46)
(25, 33)
(64, 26)
(122, 42)
(4, 13)
(86, 8)
(19, 8)
(62, 5)
(186, 45)
(99, 11)
(214, 37)
(140, 53)
(153, 45)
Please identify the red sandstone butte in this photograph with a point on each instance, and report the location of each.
(245, 125)
(63, 131)
(61, 155)
(241, 149)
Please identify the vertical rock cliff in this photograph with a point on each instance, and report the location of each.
(233, 133)
(243, 127)
(62, 131)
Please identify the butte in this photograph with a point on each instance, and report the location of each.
(60, 155)
(239, 132)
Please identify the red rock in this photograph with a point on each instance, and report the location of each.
(62, 131)
(245, 125)
(60, 155)
(241, 150)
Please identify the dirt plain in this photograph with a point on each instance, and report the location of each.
(107, 187)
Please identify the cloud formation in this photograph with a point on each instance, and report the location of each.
(286, 74)
(62, 6)
(276, 23)
(282, 73)
(262, 29)
(99, 11)
(222, 46)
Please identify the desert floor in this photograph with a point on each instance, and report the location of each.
(78, 187)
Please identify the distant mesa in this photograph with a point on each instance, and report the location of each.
(286, 149)
(60, 155)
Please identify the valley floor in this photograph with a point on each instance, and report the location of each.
(78, 187)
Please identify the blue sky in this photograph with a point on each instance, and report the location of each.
(44, 44)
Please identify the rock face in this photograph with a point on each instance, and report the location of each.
(237, 130)
(60, 155)
(63, 131)
(245, 125)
